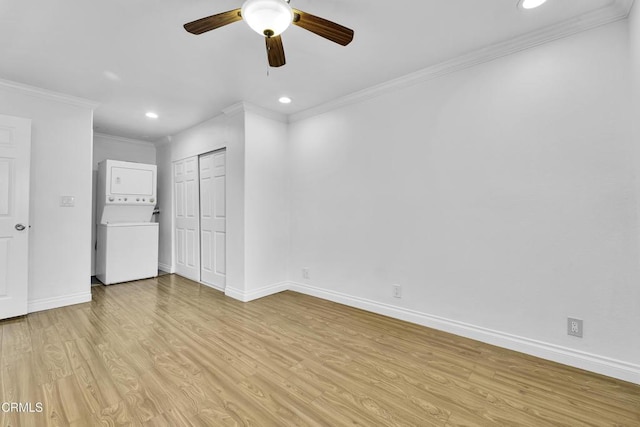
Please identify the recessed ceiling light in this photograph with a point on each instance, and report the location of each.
(530, 4)
(285, 100)
(151, 115)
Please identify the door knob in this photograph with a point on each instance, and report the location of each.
(20, 227)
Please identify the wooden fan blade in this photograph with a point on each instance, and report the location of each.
(275, 51)
(322, 27)
(209, 23)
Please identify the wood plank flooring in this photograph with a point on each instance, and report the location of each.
(169, 352)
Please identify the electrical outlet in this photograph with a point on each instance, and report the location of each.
(396, 291)
(67, 201)
(574, 327)
(305, 273)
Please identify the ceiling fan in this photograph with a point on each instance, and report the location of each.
(270, 18)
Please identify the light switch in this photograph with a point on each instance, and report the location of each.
(67, 201)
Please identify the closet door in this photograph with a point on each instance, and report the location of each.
(186, 211)
(15, 149)
(213, 219)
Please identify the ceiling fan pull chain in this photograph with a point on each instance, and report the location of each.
(268, 65)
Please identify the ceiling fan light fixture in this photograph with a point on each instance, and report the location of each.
(267, 17)
(530, 4)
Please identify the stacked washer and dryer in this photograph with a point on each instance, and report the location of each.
(127, 238)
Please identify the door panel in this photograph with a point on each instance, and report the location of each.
(15, 149)
(220, 254)
(6, 176)
(4, 273)
(186, 210)
(213, 218)
(180, 248)
(206, 255)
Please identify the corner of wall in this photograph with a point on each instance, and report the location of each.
(592, 362)
(42, 304)
(254, 294)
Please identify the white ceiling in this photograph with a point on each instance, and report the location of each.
(133, 56)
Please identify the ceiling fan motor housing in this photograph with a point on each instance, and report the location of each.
(270, 18)
(267, 17)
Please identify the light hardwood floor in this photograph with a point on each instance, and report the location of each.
(169, 352)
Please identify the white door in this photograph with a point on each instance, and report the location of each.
(186, 211)
(15, 150)
(213, 219)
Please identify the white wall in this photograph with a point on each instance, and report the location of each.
(634, 48)
(634, 45)
(266, 203)
(223, 131)
(115, 148)
(124, 149)
(501, 197)
(61, 156)
(257, 199)
(165, 186)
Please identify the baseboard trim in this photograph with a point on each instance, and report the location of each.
(57, 302)
(166, 267)
(254, 294)
(591, 362)
(212, 286)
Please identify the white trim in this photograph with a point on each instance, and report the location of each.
(591, 362)
(234, 293)
(57, 302)
(273, 115)
(244, 107)
(122, 139)
(232, 110)
(617, 10)
(256, 293)
(48, 94)
(213, 286)
(164, 140)
(166, 267)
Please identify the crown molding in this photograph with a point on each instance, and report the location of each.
(48, 94)
(247, 107)
(266, 113)
(234, 109)
(114, 138)
(615, 11)
(162, 141)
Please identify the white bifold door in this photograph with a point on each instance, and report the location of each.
(187, 218)
(15, 150)
(213, 219)
(200, 218)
